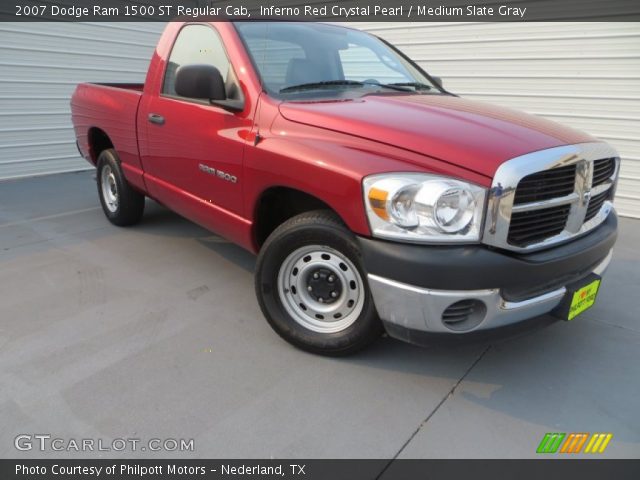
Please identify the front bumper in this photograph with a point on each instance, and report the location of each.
(413, 286)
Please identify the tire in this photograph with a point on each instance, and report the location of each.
(122, 205)
(312, 288)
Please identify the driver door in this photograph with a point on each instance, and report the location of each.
(192, 148)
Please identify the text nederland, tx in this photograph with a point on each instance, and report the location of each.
(168, 469)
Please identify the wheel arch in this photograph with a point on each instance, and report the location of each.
(277, 204)
(99, 141)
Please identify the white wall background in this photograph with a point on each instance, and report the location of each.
(586, 75)
(40, 65)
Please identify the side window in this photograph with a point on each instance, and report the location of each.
(196, 44)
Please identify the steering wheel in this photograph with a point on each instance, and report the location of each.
(372, 81)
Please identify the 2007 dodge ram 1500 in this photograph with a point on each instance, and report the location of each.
(376, 199)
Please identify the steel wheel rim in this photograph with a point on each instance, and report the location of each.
(310, 309)
(110, 193)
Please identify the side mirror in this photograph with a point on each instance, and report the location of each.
(438, 80)
(200, 81)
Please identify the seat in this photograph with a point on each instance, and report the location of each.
(302, 70)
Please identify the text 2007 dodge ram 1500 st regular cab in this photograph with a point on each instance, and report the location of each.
(376, 199)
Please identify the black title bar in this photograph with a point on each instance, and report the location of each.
(585, 469)
(319, 10)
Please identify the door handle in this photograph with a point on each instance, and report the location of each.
(155, 118)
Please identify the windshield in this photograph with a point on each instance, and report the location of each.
(310, 59)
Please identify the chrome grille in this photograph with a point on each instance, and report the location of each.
(603, 170)
(550, 196)
(530, 227)
(595, 204)
(546, 185)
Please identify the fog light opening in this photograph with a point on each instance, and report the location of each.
(464, 315)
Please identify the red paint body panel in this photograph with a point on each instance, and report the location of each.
(114, 110)
(328, 165)
(321, 148)
(477, 135)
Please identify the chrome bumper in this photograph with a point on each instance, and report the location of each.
(421, 309)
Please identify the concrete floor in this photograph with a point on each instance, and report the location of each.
(154, 331)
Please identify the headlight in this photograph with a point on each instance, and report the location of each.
(425, 208)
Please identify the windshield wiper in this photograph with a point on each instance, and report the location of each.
(416, 85)
(354, 83)
(326, 83)
(393, 86)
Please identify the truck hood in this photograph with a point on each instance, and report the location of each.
(474, 135)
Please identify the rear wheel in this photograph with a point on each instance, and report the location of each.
(312, 288)
(121, 204)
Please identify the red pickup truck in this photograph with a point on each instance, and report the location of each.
(375, 199)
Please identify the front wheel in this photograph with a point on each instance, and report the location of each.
(312, 288)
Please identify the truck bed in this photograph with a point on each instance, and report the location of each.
(113, 108)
